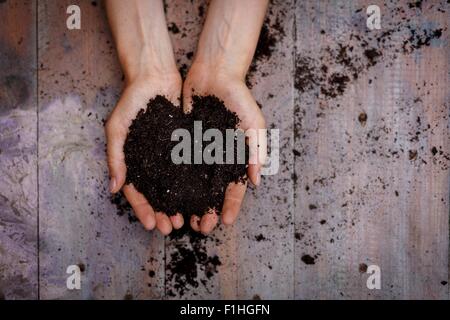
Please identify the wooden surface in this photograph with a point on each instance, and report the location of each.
(349, 193)
(354, 171)
(18, 152)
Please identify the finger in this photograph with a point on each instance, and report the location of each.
(142, 209)
(254, 173)
(163, 223)
(257, 141)
(234, 195)
(175, 92)
(187, 98)
(116, 134)
(175, 98)
(208, 222)
(177, 221)
(195, 223)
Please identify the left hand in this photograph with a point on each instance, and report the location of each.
(232, 90)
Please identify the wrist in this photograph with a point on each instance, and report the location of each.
(145, 62)
(219, 67)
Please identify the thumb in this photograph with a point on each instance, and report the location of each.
(116, 134)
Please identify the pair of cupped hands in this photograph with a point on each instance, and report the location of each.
(202, 80)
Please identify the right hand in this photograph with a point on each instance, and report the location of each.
(135, 97)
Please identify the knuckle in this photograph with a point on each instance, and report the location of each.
(236, 200)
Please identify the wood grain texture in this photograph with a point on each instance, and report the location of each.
(18, 152)
(372, 192)
(265, 230)
(246, 271)
(80, 82)
(350, 192)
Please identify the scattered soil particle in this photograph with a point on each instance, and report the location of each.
(362, 268)
(271, 33)
(412, 154)
(298, 236)
(434, 151)
(189, 265)
(201, 11)
(305, 75)
(180, 188)
(260, 237)
(123, 207)
(183, 70)
(190, 55)
(173, 28)
(362, 118)
(151, 273)
(266, 43)
(372, 55)
(420, 38)
(82, 267)
(307, 259)
(337, 84)
(415, 4)
(328, 71)
(312, 207)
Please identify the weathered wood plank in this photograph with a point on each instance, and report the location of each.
(185, 21)
(18, 151)
(371, 189)
(265, 230)
(246, 271)
(79, 83)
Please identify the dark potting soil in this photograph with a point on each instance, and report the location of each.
(180, 188)
(189, 264)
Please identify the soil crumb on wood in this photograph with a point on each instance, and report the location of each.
(362, 268)
(307, 259)
(327, 72)
(122, 206)
(272, 32)
(189, 264)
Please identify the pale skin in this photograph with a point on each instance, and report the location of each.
(224, 53)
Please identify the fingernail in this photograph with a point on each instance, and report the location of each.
(112, 184)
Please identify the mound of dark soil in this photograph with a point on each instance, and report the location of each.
(184, 188)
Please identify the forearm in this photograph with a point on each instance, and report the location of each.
(142, 40)
(230, 35)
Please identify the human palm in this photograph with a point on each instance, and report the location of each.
(134, 98)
